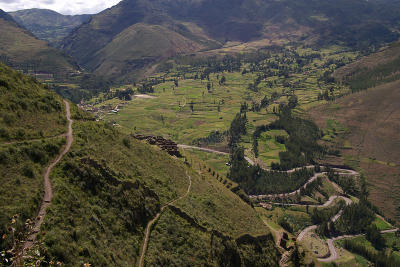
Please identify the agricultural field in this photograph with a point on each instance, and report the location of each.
(189, 102)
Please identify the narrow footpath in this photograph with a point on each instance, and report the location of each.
(48, 189)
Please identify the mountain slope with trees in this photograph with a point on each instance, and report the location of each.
(48, 25)
(21, 50)
(210, 24)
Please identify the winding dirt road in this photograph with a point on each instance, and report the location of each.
(343, 172)
(48, 190)
(333, 254)
(150, 224)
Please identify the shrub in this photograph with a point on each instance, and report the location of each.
(126, 142)
(28, 171)
(9, 119)
(4, 133)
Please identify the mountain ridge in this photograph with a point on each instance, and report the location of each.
(47, 24)
(348, 22)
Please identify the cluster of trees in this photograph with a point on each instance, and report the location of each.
(379, 258)
(371, 77)
(311, 187)
(237, 129)
(347, 183)
(146, 88)
(213, 137)
(254, 180)
(124, 94)
(302, 147)
(355, 219)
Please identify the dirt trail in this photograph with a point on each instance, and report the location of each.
(48, 190)
(150, 224)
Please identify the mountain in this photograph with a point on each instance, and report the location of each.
(111, 42)
(48, 25)
(20, 49)
(371, 121)
(105, 191)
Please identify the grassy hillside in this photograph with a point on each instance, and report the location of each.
(30, 117)
(108, 187)
(364, 126)
(379, 68)
(355, 23)
(27, 110)
(138, 46)
(47, 24)
(21, 50)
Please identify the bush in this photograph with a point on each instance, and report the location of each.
(126, 142)
(4, 133)
(3, 157)
(28, 171)
(9, 119)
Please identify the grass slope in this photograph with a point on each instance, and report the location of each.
(108, 187)
(28, 111)
(21, 50)
(138, 46)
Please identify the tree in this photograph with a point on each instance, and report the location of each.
(191, 106)
(293, 101)
(223, 80)
(374, 236)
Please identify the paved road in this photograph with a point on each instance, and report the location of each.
(48, 190)
(148, 227)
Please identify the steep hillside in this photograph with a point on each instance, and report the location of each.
(367, 124)
(352, 23)
(139, 45)
(20, 49)
(108, 187)
(47, 24)
(378, 68)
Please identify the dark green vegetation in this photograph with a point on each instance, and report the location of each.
(255, 180)
(133, 35)
(302, 147)
(47, 24)
(108, 187)
(380, 257)
(21, 50)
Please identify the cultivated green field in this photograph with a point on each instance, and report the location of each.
(197, 107)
